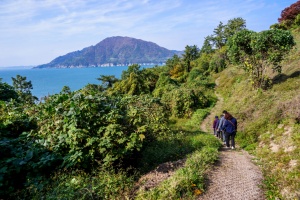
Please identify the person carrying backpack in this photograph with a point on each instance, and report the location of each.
(215, 123)
(230, 127)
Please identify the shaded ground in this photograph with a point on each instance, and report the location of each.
(162, 172)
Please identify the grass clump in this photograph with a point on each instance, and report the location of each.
(187, 181)
(100, 184)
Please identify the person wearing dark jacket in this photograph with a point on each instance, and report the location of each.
(215, 126)
(230, 127)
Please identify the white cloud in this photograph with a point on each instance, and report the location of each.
(53, 27)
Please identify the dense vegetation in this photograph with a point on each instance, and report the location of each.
(114, 129)
(96, 142)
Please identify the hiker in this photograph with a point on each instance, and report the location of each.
(230, 127)
(215, 127)
(219, 133)
(220, 127)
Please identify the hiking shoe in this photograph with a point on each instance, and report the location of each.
(232, 148)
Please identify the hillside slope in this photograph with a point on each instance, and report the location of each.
(268, 122)
(113, 51)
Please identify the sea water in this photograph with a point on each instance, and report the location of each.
(51, 80)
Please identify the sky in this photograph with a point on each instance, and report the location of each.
(35, 32)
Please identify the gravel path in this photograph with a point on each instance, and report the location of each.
(234, 177)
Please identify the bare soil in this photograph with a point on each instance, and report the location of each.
(160, 173)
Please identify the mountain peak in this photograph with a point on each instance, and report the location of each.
(113, 51)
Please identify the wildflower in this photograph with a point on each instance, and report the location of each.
(197, 192)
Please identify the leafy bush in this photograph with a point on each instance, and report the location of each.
(259, 52)
(218, 61)
(21, 158)
(181, 102)
(14, 120)
(164, 84)
(136, 81)
(97, 129)
(202, 62)
(7, 92)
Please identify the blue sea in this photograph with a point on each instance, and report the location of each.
(51, 81)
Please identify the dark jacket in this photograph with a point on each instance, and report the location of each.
(216, 121)
(230, 126)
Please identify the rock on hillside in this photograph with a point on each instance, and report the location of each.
(114, 51)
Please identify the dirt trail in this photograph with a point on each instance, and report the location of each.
(234, 176)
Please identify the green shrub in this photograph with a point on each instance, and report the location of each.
(100, 184)
(21, 158)
(181, 102)
(7, 92)
(218, 61)
(202, 63)
(97, 129)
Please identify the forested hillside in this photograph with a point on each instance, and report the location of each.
(96, 142)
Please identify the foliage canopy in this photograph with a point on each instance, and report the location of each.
(257, 52)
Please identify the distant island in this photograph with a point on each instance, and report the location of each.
(114, 51)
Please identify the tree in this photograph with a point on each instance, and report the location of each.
(257, 52)
(66, 90)
(190, 53)
(171, 62)
(133, 82)
(233, 26)
(7, 92)
(290, 18)
(219, 36)
(107, 81)
(23, 89)
(290, 13)
(207, 46)
(135, 68)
